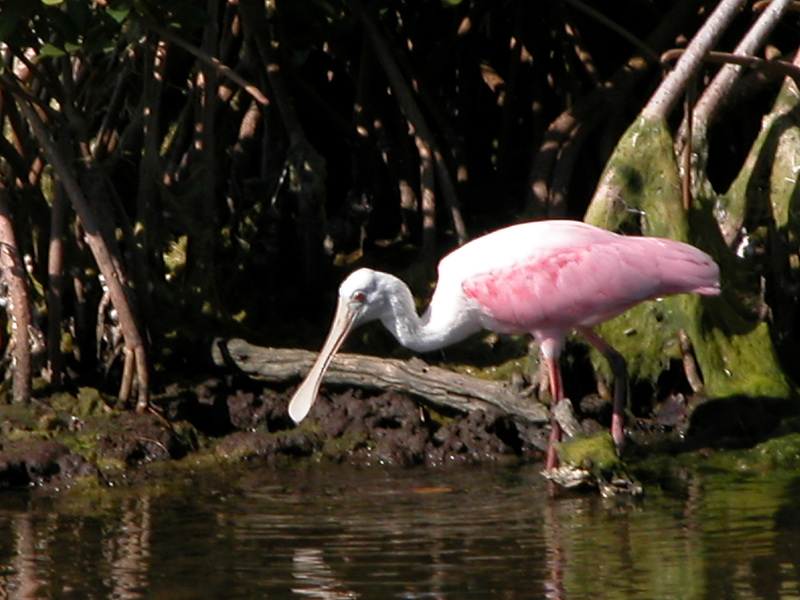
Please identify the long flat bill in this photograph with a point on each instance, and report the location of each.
(305, 395)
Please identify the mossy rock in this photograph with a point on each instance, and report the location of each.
(595, 453)
(592, 462)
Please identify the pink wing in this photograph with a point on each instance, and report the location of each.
(586, 285)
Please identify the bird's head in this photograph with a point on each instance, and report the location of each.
(362, 298)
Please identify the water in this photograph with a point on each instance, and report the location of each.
(342, 533)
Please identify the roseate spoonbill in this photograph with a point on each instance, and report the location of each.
(545, 278)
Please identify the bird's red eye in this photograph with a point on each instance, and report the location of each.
(359, 297)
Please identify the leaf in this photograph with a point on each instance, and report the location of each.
(51, 50)
(118, 14)
(52, 2)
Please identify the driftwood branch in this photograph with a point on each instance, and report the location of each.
(436, 385)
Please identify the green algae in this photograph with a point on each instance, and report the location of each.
(775, 455)
(640, 183)
(592, 462)
(780, 452)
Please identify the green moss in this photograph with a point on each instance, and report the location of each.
(89, 402)
(593, 462)
(499, 372)
(641, 182)
(768, 176)
(344, 445)
(781, 452)
(772, 458)
(595, 453)
(646, 335)
(736, 355)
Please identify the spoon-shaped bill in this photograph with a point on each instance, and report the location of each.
(306, 394)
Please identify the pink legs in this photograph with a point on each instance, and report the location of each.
(620, 370)
(556, 394)
(550, 352)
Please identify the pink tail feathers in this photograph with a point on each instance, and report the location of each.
(685, 269)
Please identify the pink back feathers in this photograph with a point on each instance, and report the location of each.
(576, 286)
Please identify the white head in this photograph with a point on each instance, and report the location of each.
(365, 293)
(362, 298)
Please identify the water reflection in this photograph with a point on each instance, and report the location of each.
(346, 533)
(127, 552)
(315, 578)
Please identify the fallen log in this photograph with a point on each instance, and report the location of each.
(435, 385)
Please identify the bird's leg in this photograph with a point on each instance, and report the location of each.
(556, 394)
(620, 370)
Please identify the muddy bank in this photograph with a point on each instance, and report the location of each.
(56, 440)
(67, 437)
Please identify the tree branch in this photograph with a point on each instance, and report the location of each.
(669, 93)
(223, 69)
(105, 261)
(19, 311)
(712, 97)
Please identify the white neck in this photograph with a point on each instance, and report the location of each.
(442, 324)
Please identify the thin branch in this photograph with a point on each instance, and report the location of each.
(781, 68)
(55, 285)
(222, 68)
(712, 97)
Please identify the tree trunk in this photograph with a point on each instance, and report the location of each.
(55, 286)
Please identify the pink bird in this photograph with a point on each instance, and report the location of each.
(545, 278)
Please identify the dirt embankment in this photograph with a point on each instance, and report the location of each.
(56, 440)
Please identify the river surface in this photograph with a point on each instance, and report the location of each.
(340, 532)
